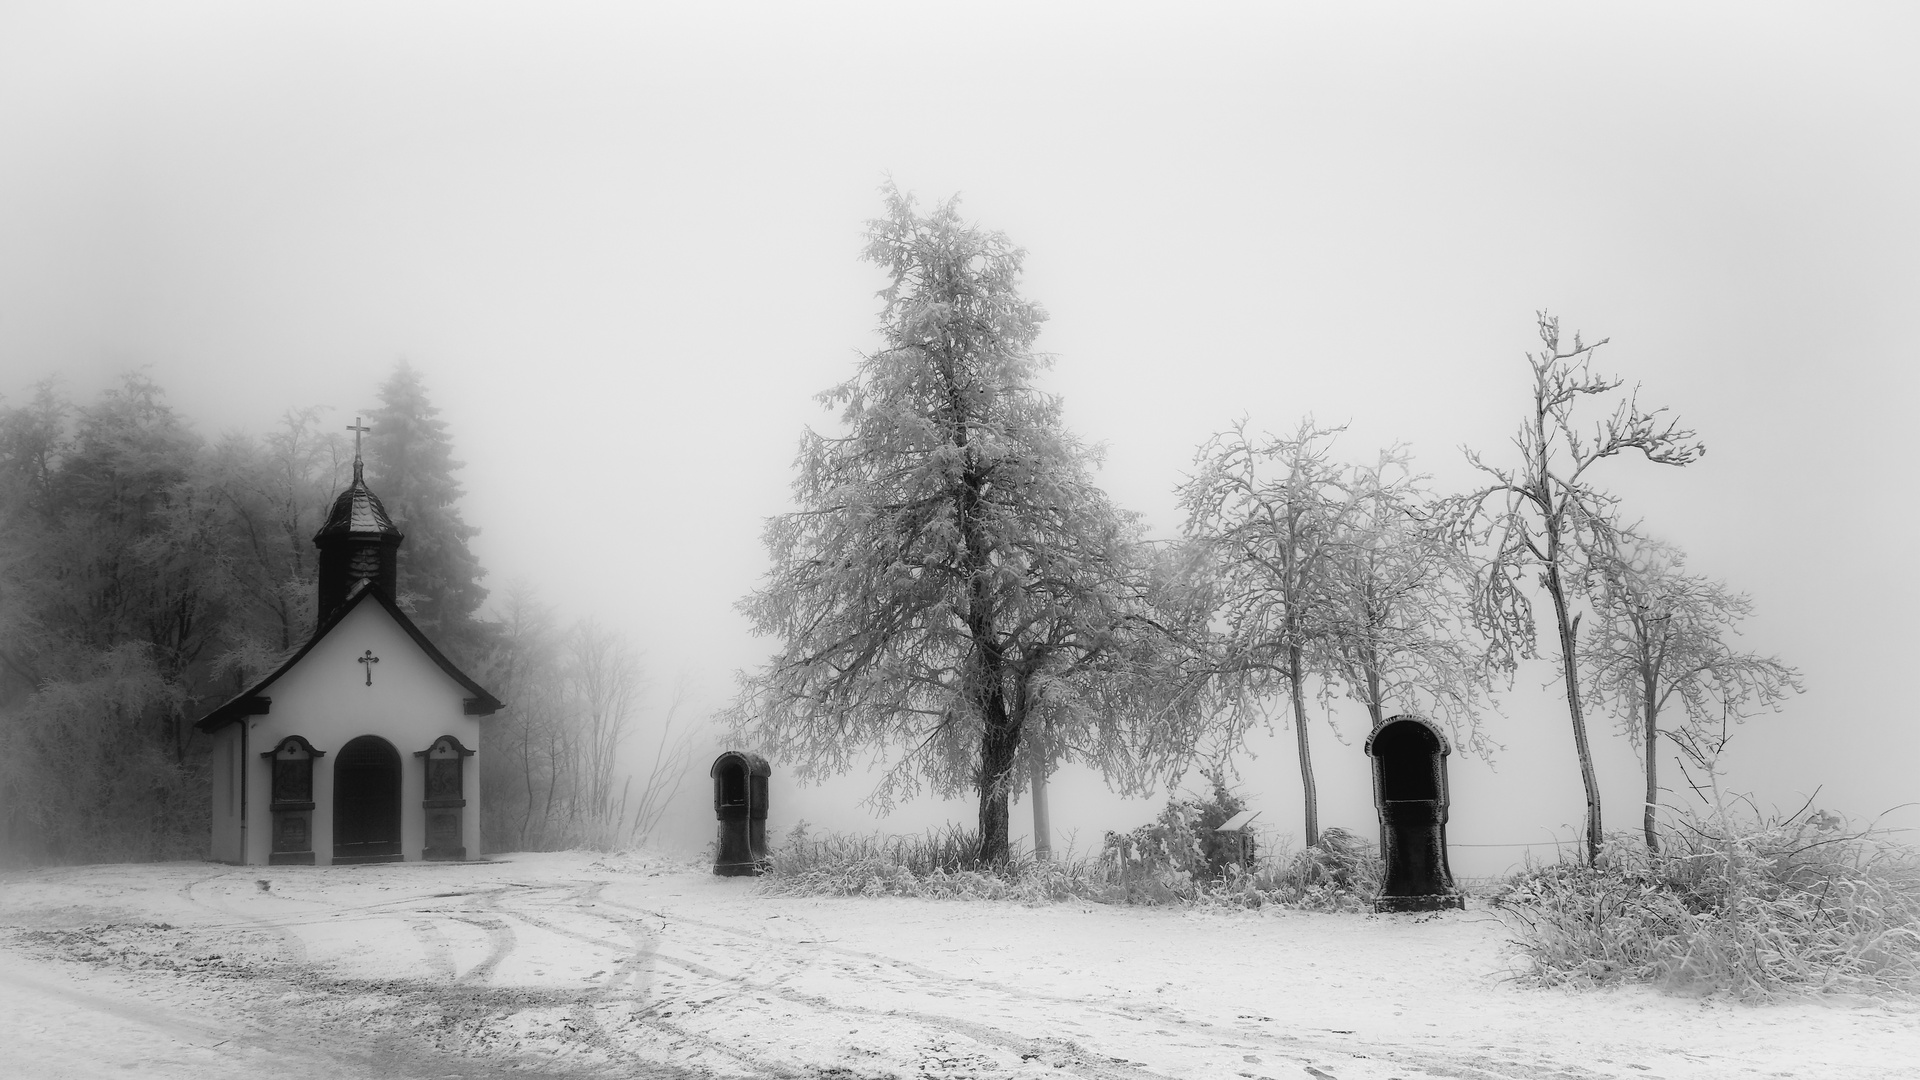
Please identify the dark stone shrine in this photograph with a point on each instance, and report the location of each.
(740, 802)
(1410, 789)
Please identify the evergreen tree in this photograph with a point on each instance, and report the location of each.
(953, 574)
(410, 466)
(144, 578)
(116, 604)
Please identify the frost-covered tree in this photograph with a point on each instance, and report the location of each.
(114, 604)
(411, 466)
(1401, 591)
(952, 571)
(1541, 513)
(33, 441)
(275, 492)
(1271, 512)
(1660, 636)
(1132, 706)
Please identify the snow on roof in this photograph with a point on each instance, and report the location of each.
(1237, 822)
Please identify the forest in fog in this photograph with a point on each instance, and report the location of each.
(149, 573)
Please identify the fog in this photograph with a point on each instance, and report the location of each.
(622, 248)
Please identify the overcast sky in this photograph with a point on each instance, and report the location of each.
(622, 247)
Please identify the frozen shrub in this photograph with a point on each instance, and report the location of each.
(1180, 846)
(942, 864)
(1341, 873)
(1747, 907)
(1174, 859)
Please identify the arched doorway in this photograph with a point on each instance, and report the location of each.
(366, 802)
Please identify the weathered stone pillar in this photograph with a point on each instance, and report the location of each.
(1410, 789)
(740, 802)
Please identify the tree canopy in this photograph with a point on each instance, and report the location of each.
(1663, 636)
(1269, 512)
(953, 571)
(411, 466)
(1544, 512)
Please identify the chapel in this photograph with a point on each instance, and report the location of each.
(362, 746)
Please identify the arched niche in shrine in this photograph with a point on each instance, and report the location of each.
(290, 802)
(446, 798)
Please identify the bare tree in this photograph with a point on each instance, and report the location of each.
(603, 679)
(1126, 699)
(1544, 512)
(1271, 513)
(1401, 589)
(672, 756)
(516, 770)
(1661, 634)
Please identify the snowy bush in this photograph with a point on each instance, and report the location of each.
(1165, 862)
(1180, 845)
(1750, 907)
(940, 864)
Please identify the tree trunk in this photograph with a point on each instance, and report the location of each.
(1042, 823)
(526, 762)
(1569, 670)
(998, 744)
(1000, 732)
(1306, 756)
(1652, 736)
(1653, 789)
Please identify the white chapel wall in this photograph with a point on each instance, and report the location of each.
(325, 698)
(225, 766)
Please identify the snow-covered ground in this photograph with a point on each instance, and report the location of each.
(570, 964)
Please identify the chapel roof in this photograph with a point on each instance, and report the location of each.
(357, 510)
(252, 702)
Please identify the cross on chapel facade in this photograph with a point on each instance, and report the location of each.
(321, 763)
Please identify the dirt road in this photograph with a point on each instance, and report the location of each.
(570, 965)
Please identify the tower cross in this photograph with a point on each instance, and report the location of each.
(357, 430)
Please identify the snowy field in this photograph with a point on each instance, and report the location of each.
(573, 965)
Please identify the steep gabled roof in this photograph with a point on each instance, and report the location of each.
(251, 702)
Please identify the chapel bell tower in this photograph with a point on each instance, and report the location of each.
(358, 543)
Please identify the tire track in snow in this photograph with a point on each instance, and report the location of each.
(923, 973)
(984, 1034)
(635, 961)
(291, 944)
(435, 949)
(500, 942)
(634, 964)
(1315, 1051)
(637, 966)
(981, 1033)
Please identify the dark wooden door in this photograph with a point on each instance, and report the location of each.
(366, 802)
